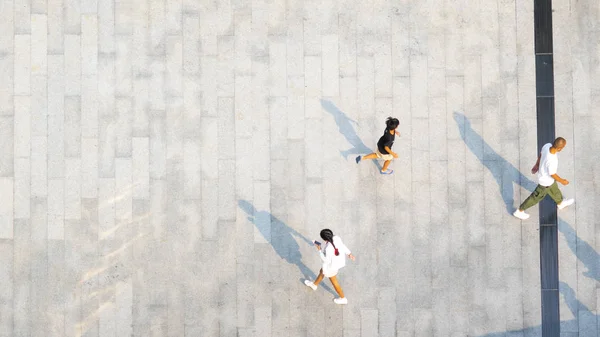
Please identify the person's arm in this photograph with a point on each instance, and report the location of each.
(326, 259)
(552, 171)
(559, 179)
(387, 148)
(536, 167)
(347, 251)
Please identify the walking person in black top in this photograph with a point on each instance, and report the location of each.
(384, 146)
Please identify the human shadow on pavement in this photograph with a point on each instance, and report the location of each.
(281, 238)
(581, 313)
(505, 174)
(583, 250)
(347, 130)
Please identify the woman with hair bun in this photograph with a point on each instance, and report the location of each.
(333, 255)
(384, 146)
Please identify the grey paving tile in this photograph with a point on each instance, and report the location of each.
(7, 145)
(22, 189)
(158, 199)
(39, 268)
(295, 107)
(330, 65)
(39, 173)
(531, 277)
(7, 69)
(106, 84)
(210, 211)
(7, 292)
(514, 317)
(106, 27)
(57, 294)
(123, 66)
(56, 209)
(22, 18)
(140, 169)
(72, 69)
(72, 189)
(89, 6)
(89, 43)
(123, 128)
(21, 272)
(8, 25)
(89, 167)
(71, 17)
(387, 312)
(158, 146)
(22, 64)
(140, 127)
(38, 6)
(227, 202)
(106, 208)
(39, 43)
(55, 26)
(56, 118)
(421, 218)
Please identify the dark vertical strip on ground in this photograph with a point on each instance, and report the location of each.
(546, 133)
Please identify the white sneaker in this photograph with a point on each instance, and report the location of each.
(340, 300)
(565, 203)
(310, 284)
(521, 215)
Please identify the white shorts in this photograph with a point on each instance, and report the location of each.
(384, 156)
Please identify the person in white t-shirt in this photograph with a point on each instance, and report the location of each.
(546, 167)
(333, 255)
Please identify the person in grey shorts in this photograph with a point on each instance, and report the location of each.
(546, 167)
(384, 146)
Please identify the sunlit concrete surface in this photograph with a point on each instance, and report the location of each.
(164, 165)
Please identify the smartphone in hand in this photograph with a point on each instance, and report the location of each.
(317, 243)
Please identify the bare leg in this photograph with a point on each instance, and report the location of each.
(370, 156)
(385, 165)
(336, 285)
(319, 278)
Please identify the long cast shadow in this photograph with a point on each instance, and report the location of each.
(347, 130)
(583, 250)
(281, 238)
(581, 313)
(505, 174)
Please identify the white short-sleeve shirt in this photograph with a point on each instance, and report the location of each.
(548, 166)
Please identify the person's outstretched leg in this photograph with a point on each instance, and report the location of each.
(342, 299)
(337, 286)
(319, 278)
(557, 196)
(369, 156)
(385, 165)
(538, 194)
(313, 285)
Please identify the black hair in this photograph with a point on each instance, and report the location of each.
(327, 235)
(391, 123)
